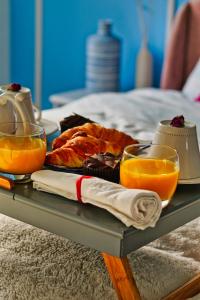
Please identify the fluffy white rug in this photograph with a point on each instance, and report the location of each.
(37, 265)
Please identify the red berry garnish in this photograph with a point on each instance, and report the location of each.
(15, 87)
(178, 121)
(197, 99)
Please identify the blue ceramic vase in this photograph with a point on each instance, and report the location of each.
(103, 60)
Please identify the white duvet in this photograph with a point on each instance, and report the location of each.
(137, 112)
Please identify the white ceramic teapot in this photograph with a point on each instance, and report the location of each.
(16, 105)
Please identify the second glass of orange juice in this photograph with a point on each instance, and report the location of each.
(150, 167)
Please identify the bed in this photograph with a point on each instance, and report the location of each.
(136, 112)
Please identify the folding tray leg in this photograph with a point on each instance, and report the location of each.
(122, 277)
(189, 289)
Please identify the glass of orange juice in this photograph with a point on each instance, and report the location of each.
(150, 167)
(22, 149)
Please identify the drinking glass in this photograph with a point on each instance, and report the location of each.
(22, 149)
(150, 167)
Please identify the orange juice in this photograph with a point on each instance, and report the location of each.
(159, 175)
(21, 155)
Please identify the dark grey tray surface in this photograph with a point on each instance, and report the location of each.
(92, 226)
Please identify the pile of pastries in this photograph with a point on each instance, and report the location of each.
(75, 145)
(87, 145)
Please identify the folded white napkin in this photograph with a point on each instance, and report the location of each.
(139, 208)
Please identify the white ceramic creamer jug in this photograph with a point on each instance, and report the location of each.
(185, 141)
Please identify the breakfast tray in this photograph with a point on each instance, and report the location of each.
(95, 227)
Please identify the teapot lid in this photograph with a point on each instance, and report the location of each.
(13, 88)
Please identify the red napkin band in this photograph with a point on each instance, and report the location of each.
(78, 187)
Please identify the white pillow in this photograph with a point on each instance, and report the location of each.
(192, 86)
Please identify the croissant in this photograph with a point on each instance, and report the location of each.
(98, 131)
(74, 152)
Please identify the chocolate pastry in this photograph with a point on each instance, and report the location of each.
(72, 121)
(103, 165)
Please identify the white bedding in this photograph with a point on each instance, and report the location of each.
(137, 112)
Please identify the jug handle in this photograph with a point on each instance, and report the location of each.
(11, 98)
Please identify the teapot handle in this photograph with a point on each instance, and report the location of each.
(38, 113)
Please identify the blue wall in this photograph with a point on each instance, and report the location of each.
(22, 42)
(66, 25)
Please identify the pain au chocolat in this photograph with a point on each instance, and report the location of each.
(74, 145)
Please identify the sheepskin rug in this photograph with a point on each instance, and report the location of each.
(38, 265)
